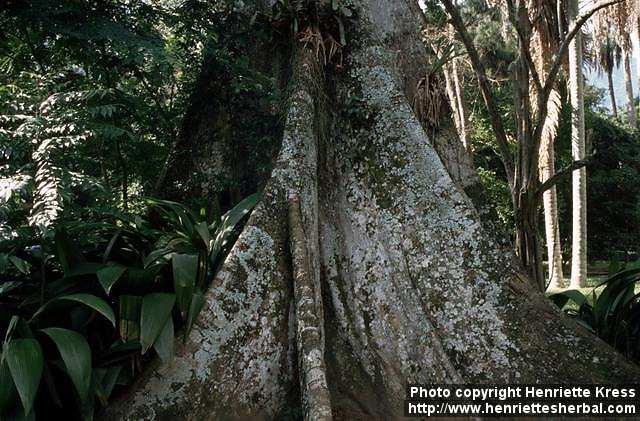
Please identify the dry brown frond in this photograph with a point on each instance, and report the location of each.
(429, 99)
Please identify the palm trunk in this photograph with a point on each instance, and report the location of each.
(579, 177)
(612, 94)
(631, 109)
(550, 197)
(638, 38)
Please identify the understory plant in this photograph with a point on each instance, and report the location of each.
(83, 309)
(613, 313)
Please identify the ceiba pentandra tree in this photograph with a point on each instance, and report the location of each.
(365, 266)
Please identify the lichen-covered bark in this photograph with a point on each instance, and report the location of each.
(409, 283)
(239, 359)
(316, 401)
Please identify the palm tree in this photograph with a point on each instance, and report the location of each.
(550, 197)
(637, 24)
(608, 58)
(623, 19)
(544, 42)
(579, 177)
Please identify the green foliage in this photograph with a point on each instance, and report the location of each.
(498, 193)
(613, 315)
(81, 310)
(94, 99)
(91, 100)
(613, 186)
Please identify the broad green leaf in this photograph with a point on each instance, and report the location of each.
(96, 303)
(109, 275)
(561, 299)
(83, 268)
(13, 323)
(156, 310)
(176, 213)
(203, 231)
(112, 242)
(197, 301)
(185, 270)
(4, 262)
(161, 253)
(164, 344)
(230, 220)
(47, 375)
(25, 361)
(20, 264)
(8, 286)
(76, 355)
(617, 287)
(130, 317)
(106, 380)
(19, 325)
(7, 389)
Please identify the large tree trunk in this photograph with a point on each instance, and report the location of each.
(579, 177)
(387, 268)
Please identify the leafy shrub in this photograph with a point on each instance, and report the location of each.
(613, 315)
(79, 312)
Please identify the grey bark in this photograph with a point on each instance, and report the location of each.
(462, 107)
(626, 59)
(579, 177)
(550, 197)
(612, 94)
(309, 321)
(411, 286)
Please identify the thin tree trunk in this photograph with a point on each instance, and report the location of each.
(462, 107)
(631, 109)
(612, 94)
(550, 197)
(125, 175)
(451, 95)
(579, 177)
(637, 27)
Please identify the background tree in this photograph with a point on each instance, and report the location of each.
(622, 17)
(608, 55)
(579, 176)
(547, 27)
(522, 167)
